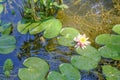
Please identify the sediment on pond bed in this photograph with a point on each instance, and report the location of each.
(91, 17)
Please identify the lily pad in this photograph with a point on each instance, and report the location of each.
(23, 28)
(109, 52)
(89, 52)
(50, 27)
(84, 63)
(7, 31)
(53, 28)
(53, 75)
(69, 31)
(2, 0)
(1, 8)
(65, 41)
(115, 39)
(36, 69)
(66, 36)
(69, 72)
(88, 59)
(105, 39)
(7, 44)
(111, 73)
(111, 48)
(36, 29)
(4, 25)
(116, 28)
(5, 28)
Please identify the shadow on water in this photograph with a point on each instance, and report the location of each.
(78, 15)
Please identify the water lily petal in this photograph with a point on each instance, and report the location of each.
(81, 41)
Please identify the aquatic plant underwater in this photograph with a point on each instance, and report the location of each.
(40, 18)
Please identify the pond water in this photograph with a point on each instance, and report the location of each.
(32, 45)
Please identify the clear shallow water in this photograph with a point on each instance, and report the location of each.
(54, 58)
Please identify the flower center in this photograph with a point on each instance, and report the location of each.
(82, 40)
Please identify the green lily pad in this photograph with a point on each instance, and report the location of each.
(53, 75)
(109, 52)
(36, 69)
(65, 41)
(69, 72)
(115, 39)
(53, 28)
(23, 28)
(111, 73)
(88, 59)
(89, 51)
(7, 31)
(2, 0)
(84, 63)
(116, 28)
(4, 25)
(103, 39)
(7, 44)
(50, 27)
(36, 28)
(1, 8)
(112, 46)
(5, 28)
(108, 39)
(67, 36)
(69, 31)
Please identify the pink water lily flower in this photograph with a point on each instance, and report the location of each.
(81, 41)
